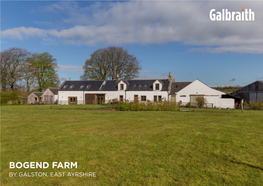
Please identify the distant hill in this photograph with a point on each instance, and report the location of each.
(227, 90)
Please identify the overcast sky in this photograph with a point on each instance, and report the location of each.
(176, 36)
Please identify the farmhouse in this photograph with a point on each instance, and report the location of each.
(34, 98)
(50, 96)
(139, 90)
(252, 92)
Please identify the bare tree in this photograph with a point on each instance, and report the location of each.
(106, 63)
(29, 79)
(12, 61)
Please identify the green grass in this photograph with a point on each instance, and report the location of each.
(80, 107)
(207, 147)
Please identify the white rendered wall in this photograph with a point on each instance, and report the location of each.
(227, 103)
(149, 95)
(198, 88)
(110, 95)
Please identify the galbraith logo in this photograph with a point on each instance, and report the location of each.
(225, 15)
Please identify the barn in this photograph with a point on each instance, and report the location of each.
(34, 98)
(250, 93)
(50, 96)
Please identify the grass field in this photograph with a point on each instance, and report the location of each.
(207, 147)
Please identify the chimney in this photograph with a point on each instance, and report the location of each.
(117, 77)
(170, 75)
(171, 78)
(69, 79)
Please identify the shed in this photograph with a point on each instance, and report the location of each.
(50, 96)
(35, 98)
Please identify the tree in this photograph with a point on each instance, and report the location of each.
(29, 79)
(12, 61)
(106, 63)
(43, 66)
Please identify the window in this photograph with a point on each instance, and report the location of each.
(71, 86)
(159, 98)
(102, 87)
(182, 95)
(121, 98)
(88, 86)
(145, 86)
(65, 86)
(157, 86)
(155, 98)
(140, 85)
(82, 86)
(121, 87)
(134, 85)
(143, 98)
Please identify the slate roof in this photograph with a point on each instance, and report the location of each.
(112, 85)
(54, 90)
(177, 86)
(146, 85)
(38, 94)
(75, 85)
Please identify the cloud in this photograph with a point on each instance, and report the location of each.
(69, 68)
(63, 78)
(118, 23)
(234, 79)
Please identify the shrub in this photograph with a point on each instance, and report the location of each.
(9, 96)
(188, 105)
(201, 101)
(256, 105)
(146, 106)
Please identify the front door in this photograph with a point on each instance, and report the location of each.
(72, 100)
(135, 98)
(100, 99)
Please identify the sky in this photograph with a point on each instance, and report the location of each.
(165, 36)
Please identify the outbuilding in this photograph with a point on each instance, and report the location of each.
(252, 92)
(50, 96)
(34, 98)
(187, 92)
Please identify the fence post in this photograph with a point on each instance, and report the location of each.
(242, 101)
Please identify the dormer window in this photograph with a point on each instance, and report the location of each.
(82, 86)
(65, 86)
(88, 86)
(157, 86)
(121, 87)
(134, 85)
(140, 85)
(145, 86)
(71, 86)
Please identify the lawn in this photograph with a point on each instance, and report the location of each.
(207, 147)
